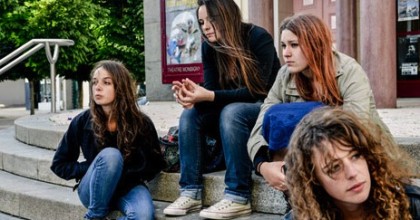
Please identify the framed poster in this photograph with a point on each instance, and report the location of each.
(181, 41)
(408, 57)
(408, 10)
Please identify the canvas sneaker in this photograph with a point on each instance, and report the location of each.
(182, 206)
(226, 209)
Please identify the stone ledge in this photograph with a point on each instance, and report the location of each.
(36, 200)
(34, 163)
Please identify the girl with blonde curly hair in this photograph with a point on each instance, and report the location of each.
(337, 168)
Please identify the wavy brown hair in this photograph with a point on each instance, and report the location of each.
(235, 62)
(309, 200)
(125, 110)
(315, 41)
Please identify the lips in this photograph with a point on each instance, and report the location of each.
(357, 187)
(98, 96)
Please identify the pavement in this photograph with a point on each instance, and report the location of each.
(403, 121)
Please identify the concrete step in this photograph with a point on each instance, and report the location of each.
(34, 163)
(46, 130)
(27, 161)
(4, 216)
(31, 199)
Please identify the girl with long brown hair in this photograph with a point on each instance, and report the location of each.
(338, 168)
(120, 147)
(313, 72)
(240, 64)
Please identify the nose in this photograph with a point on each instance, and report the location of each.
(97, 87)
(286, 51)
(206, 25)
(350, 171)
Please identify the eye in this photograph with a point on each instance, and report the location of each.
(356, 156)
(334, 168)
(94, 82)
(108, 82)
(283, 45)
(294, 45)
(200, 22)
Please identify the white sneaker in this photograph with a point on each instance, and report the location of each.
(182, 206)
(226, 209)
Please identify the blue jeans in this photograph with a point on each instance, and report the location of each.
(98, 186)
(234, 123)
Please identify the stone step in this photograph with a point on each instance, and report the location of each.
(46, 130)
(34, 163)
(35, 200)
(4, 216)
(27, 161)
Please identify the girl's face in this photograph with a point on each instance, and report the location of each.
(206, 23)
(103, 90)
(344, 175)
(292, 54)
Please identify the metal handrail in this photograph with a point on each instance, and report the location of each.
(52, 59)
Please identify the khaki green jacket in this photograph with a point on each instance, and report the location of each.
(354, 89)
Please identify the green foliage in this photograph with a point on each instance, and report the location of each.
(13, 34)
(67, 19)
(122, 35)
(101, 29)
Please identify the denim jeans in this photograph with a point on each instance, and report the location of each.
(99, 183)
(235, 122)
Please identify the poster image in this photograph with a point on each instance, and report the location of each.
(408, 57)
(181, 41)
(408, 10)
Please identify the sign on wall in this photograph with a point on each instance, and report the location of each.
(181, 41)
(408, 57)
(408, 10)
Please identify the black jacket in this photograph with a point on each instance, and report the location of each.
(143, 165)
(261, 45)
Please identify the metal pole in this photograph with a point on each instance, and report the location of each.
(51, 58)
(19, 59)
(52, 75)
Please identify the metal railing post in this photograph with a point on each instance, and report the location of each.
(52, 59)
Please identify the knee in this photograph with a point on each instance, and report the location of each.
(143, 213)
(229, 115)
(110, 156)
(188, 118)
(188, 114)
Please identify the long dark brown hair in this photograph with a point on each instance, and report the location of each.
(315, 41)
(125, 110)
(309, 200)
(235, 62)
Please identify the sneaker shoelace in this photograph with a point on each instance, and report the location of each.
(182, 201)
(223, 204)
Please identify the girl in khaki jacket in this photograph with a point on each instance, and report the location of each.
(313, 72)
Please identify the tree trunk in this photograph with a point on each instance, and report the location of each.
(32, 96)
